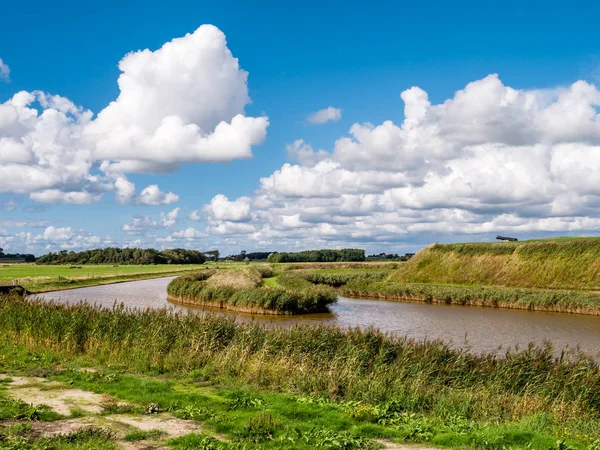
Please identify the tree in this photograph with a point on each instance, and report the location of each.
(115, 255)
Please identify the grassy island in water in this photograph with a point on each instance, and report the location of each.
(252, 290)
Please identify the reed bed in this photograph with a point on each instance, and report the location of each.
(242, 290)
(358, 365)
(563, 301)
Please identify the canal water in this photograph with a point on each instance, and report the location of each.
(479, 329)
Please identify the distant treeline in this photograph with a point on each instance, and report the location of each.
(16, 256)
(253, 256)
(346, 254)
(114, 255)
(389, 256)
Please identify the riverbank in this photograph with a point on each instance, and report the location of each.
(562, 301)
(250, 290)
(39, 279)
(552, 275)
(379, 387)
(559, 263)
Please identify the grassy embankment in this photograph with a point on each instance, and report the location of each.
(561, 275)
(304, 387)
(252, 290)
(38, 278)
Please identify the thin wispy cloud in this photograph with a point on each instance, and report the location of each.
(4, 72)
(325, 115)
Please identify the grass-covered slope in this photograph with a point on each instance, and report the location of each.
(245, 290)
(547, 264)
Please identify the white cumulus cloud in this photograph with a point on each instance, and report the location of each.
(182, 103)
(195, 216)
(489, 159)
(143, 224)
(189, 233)
(152, 195)
(221, 208)
(58, 196)
(57, 234)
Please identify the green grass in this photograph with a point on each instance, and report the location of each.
(270, 282)
(38, 278)
(338, 278)
(353, 384)
(141, 435)
(12, 438)
(256, 418)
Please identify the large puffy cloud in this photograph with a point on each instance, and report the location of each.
(183, 103)
(38, 151)
(221, 208)
(490, 159)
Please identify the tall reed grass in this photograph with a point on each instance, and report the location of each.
(363, 365)
(498, 297)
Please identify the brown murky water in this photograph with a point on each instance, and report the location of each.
(480, 329)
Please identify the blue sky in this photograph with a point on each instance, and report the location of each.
(300, 59)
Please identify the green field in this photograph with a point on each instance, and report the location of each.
(40, 278)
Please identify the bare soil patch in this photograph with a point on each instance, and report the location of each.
(165, 422)
(38, 391)
(62, 399)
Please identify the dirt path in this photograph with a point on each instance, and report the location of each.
(63, 400)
